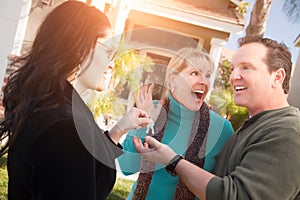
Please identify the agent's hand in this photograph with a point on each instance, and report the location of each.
(153, 150)
(134, 119)
(144, 101)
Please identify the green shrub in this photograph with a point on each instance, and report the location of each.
(3, 178)
(121, 189)
(222, 100)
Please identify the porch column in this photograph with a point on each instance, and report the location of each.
(215, 52)
(118, 15)
(100, 4)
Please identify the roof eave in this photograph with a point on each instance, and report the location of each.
(236, 2)
(297, 41)
(211, 22)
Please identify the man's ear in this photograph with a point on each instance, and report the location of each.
(279, 77)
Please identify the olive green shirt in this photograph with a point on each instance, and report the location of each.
(261, 160)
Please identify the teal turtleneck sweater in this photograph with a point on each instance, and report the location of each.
(177, 132)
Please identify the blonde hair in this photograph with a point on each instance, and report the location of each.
(187, 56)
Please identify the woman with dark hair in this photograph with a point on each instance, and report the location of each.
(56, 150)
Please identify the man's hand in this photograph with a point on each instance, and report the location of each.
(153, 150)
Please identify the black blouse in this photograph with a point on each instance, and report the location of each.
(62, 154)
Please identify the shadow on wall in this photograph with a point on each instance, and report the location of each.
(293, 96)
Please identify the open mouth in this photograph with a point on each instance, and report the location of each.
(239, 88)
(199, 93)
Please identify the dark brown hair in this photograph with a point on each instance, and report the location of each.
(65, 38)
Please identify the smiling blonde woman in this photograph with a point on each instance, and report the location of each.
(185, 123)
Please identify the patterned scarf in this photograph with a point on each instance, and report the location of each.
(195, 154)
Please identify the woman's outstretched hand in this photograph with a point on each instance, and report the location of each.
(144, 101)
(153, 150)
(134, 119)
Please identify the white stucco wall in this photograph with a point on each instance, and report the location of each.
(293, 97)
(13, 20)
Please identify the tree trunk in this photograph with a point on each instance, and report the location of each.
(258, 19)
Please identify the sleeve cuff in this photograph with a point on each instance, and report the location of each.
(214, 190)
(107, 135)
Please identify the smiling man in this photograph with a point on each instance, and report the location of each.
(260, 76)
(261, 160)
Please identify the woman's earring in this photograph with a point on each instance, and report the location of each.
(77, 72)
(172, 90)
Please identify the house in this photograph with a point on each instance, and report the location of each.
(172, 24)
(158, 28)
(293, 96)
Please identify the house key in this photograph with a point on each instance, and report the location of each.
(150, 126)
